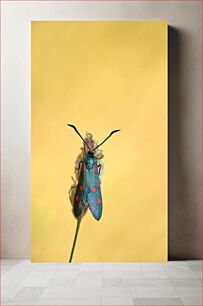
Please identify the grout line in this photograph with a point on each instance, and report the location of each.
(174, 289)
(131, 294)
(102, 282)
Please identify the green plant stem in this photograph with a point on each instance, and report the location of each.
(75, 238)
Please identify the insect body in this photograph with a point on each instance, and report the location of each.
(88, 192)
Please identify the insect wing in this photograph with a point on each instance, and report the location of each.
(94, 197)
(80, 196)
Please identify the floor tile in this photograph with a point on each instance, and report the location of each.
(151, 292)
(185, 282)
(30, 292)
(196, 268)
(48, 267)
(91, 282)
(69, 301)
(171, 283)
(192, 301)
(6, 268)
(146, 282)
(21, 301)
(91, 267)
(122, 274)
(89, 279)
(66, 274)
(61, 282)
(177, 268)
(90, 274)
(181, 275)
(68, 271)
(111, 282)
(121, 267)
(125, 301)
(198, 274)
(4, 301)
(70, 267)
(17, 274)
(9, 292)
(37, 278)
(175, 262)
(75, 292)
(115, 292)
(157, 301)
(193, 262)
(156, 274)
(189, 291)
(152, 267)
(10, 261)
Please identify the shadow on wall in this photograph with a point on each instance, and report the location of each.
(184, 207)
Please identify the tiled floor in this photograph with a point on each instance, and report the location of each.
(173, 283)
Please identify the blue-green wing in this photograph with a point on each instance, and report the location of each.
(94, 197)
(80, 195)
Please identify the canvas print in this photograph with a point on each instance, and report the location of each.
(99, 141)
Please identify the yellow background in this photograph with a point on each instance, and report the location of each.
(100, 76)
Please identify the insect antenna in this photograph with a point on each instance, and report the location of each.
(71, 125)
(106, 139)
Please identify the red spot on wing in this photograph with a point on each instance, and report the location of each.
(77, 198)
(99, 201)
(82, 168)
(95, 207)
(81, 187)
(88, 184)
(95, 169)
(94, 189)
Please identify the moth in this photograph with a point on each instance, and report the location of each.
(88, 191)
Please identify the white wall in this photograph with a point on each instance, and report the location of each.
(184, 112)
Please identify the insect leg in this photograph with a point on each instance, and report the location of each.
(81, 162)
(99, 167)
